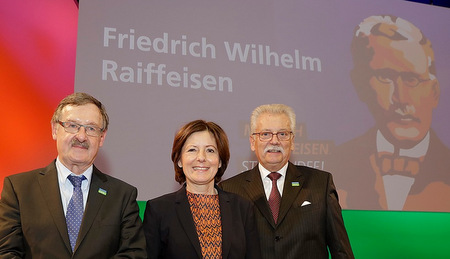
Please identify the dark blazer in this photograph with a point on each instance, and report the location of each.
(32, 222)
(304, 230)
(170, 230)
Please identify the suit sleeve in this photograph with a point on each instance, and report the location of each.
(132, 241)
(11, 236)
(337, 238)
(152, 232)
(253, 250)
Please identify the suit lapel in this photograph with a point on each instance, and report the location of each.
(94, 202)
(185, 217)
(290, 189)
(48, 180)
(227, 224)
(255, 191)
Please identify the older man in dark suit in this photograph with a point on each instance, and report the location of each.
(296, 207)
(70, 209)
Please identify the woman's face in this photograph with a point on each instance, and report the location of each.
(200, 160)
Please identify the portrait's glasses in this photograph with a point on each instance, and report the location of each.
(267, 135)
(72, 127)
(388, 76)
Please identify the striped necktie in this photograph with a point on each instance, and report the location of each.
(274, 197)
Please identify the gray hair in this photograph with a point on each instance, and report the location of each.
(78, 99)
(272, 109)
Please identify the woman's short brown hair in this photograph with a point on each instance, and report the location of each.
(198, 126)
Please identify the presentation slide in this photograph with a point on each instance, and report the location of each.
(368, 81)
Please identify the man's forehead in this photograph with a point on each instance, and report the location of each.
(271, 119)
(83, 111)
(87, 106)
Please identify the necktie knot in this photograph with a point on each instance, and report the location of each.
(76, 180)
(274, 176)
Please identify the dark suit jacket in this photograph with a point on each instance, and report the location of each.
(32, 222)
(170, 230)
(303, 231)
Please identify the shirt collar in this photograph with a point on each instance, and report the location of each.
(417, 151)
(264, 172)
(63, 172)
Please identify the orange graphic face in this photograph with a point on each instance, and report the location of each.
(403, 91)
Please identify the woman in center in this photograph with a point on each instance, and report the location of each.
(200, 220)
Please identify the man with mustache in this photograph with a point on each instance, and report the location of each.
(400, 163)
(296, 207)
(70, 209)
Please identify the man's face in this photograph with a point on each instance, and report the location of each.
(272, 154)
(404, 93)
(77, 151)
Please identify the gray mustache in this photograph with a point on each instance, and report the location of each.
(274, 148)
(77, 143)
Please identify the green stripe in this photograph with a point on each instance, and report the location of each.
(393, 234)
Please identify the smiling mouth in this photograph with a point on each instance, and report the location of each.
(80, 146)
(200, 168)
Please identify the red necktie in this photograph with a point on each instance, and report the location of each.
(275, 197)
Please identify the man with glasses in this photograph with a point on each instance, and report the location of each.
(296, 207)
(400, 163)
(70, 209)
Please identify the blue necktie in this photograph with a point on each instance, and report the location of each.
(75, 209)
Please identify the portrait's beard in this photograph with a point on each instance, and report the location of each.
(77, 143)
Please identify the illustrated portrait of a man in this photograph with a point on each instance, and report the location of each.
(400, 163)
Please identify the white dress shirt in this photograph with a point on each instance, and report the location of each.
(267, 183)
(397, 187)
(66, 187)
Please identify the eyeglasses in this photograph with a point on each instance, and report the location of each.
(72, 127)
(267, 135)
(387, 76)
